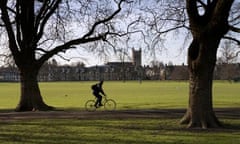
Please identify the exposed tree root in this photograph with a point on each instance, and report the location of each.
(208, 120)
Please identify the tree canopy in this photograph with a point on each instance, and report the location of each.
(39, 29)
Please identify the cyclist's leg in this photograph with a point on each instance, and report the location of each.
(100, 100)
(97, 101)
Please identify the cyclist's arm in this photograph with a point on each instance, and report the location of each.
(101, 91)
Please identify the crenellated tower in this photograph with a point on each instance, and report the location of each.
(137, 57)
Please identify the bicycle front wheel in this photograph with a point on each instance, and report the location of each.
(90, 105)
(110, 105)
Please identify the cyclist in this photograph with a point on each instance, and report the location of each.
(97, 89)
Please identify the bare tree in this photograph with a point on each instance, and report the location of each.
(227, 61)
(39, 29)
(229, 53)
(208, 21)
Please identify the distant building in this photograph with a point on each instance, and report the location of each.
(120, 70)
(137, 57)
(9, 74)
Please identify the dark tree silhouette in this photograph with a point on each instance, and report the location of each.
(208, 26)
(32, 25)
(208, 21)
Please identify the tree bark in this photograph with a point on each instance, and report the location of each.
(31, 99)
(201, 63)
(207, 30)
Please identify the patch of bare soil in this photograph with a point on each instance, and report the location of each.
(231, 113)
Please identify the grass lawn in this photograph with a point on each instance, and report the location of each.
(129, 96)
(112, 131)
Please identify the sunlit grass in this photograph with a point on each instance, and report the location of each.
(128, 95)
(226, 94)
(9, 95)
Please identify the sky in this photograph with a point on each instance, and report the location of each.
(171, 53)
(89, 59)
(175, 52)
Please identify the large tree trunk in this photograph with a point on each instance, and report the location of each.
(207, 30)
(201, 62)
(30, 99)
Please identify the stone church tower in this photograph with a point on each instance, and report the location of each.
(137, 57)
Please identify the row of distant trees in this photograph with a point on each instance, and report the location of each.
(52, 71)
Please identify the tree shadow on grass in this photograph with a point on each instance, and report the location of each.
(228, 116)
(231, 126)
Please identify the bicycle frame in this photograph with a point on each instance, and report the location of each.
(108, 104)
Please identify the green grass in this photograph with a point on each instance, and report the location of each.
(133, 95)
(128, 95)
(111, 131)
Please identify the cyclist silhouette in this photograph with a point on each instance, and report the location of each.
(97, 89)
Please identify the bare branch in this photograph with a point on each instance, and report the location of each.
(232, 39)
(192, 10)
(64, 58)
(91, 31)
(45, 17)
(87, 38)
(5, 17)
(234, 29)
(41, 13)
(203, 4)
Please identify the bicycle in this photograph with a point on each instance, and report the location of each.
(108, 104)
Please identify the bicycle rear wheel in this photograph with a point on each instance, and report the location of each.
(90, 105)
(110, 105)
